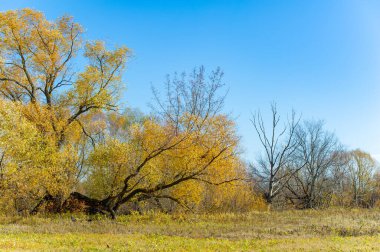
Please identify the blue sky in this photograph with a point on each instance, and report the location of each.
(321, 58)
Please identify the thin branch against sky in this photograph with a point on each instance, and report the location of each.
(320, 58)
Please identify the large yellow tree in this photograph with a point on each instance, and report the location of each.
(39, 75)
(50, 138)
(187, 144)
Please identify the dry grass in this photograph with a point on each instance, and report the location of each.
(333, 229)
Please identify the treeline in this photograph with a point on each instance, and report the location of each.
(66, 145)
(305, 166)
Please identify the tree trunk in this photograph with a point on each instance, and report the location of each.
(81, 203)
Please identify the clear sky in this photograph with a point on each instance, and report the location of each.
(321, 58)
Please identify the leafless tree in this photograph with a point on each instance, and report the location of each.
(319, 151)
(273, 169)
(196, 94)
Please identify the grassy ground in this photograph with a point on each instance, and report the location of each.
(332, 230)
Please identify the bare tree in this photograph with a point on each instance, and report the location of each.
(338, 181)
(194, 94)
(279, 144)
(319, 151)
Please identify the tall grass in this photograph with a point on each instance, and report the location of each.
(328, 229)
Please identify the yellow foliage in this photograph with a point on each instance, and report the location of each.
(32, 165)
(209, 154)
(55, 127)
(52, 109)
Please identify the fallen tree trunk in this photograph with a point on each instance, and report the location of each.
(76, 202)
(79, 202)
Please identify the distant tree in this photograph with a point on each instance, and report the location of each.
(361, 169)
(375, 197)
(319, 151)
(275, 168)
(338, 183)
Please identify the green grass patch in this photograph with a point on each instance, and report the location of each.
(332, 230)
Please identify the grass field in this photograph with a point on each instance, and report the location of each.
(331, 230)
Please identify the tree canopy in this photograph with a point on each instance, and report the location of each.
(66, 143)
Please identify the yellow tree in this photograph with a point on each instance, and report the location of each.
(361, 169)
(187, 144)
(37, 72)
(31, 163)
